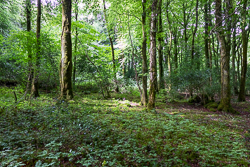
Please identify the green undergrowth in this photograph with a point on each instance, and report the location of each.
(94, 132)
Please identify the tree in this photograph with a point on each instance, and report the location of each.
(225, 104)
(153, 74)
(144, 99)
(76, 36)
(160, 48)
(31, 70)
(244, 58)
(35, 84)
(111, 45)
(66, 52)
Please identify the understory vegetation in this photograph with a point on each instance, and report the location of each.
(92, 131)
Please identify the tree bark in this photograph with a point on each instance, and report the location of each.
(112, 47)
(244, 55)
(144, 99)
(35, 83)
(31, 70)
(153, 74)
(160, 54)
(195, 29)
(66, 51)
(175, 50)
(206, 34)
(74, 67)
(233, 59)
(225, 104)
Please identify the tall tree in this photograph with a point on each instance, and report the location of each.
(160, 53)
(144, 99)
(244, 57)
(206, 33)
(225, 104)
(153, 74)
(111, 45)
(74, 67)
(195, 29)
(30, 76)
(66, 52)
(38, 31)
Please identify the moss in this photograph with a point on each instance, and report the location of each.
(225, 106)
(211, 105)
(212, 109)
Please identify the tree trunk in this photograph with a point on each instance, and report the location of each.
(233, 59)
(195, 29)
(31, 70)
(112, 47)
(206, 34)
(244, 57)
(35, 83)
(160, 54)
(225, 104)
(153, 74)
(74, 67)
(175, 51)
(66, 51)
(144, 99)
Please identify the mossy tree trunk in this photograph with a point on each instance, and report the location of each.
(153, 74)
(160, 48)
(35, 83)
(144, 98)
(225, 103)
(244, 57)
(66, 52)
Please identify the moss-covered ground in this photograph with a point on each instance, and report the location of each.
(92, 131)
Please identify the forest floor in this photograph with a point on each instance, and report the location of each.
(92, 131)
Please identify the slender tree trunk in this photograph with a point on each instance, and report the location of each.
(31, 70)
(195, 29)
(209, 41)
(74, 67)
(144, 99)
(153, 74)
(123, 65)
(225, 104)
(169, 54)
(244, 57)
(160, 54)
(112, 47)
(35, 83)
(233, 59)
(239, 64)
(170, 46)
(66, 51)
(175, 51)
(206, 34)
